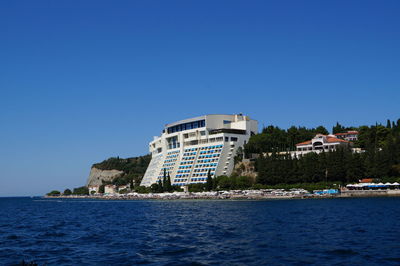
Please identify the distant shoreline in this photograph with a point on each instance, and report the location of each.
(235, 195)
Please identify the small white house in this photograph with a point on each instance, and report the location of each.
(93, 189)
(349, 135)
(110, 189)
(123, 187)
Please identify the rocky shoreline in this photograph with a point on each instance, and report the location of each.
(213, 195)
(233, 195)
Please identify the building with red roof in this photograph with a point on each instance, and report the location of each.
(321, 143)
(349, 135)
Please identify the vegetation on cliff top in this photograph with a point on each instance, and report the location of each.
(134, 164)
(133, 168)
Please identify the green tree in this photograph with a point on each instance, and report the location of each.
(321, 130)
(67, 192)
(388, 124)
(81, 191)
(54, 193)
(196, 187)
(123, 191)
(167, 186)
(160, 186)
(224, 182)
(164, 181)
(338, 128)
(155, 188)
(142, 189)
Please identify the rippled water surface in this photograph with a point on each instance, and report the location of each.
(296, 232)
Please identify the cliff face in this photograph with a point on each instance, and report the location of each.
(245, 168)
(97, 175)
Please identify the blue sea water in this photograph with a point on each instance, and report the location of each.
(275, 232)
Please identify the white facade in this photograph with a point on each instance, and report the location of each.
(110, 189)
(189, 148)
(349, 135)
(94, 189)
(320, 143)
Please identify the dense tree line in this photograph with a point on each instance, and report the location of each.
(223, 183)
(67, 192)
(380, 159)
(273, 138)
(137, 164)
(338, 128)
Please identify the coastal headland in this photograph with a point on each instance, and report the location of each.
(230, 157)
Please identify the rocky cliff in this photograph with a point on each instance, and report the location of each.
(118, 171)
(245, 168)
(96, 176)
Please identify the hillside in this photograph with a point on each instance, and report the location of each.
(119, 171)
(379, 159)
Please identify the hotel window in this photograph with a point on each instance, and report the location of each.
(226, 138)
(234, 139)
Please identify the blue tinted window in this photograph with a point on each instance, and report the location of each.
(186, 126)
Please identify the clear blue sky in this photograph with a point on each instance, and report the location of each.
(82, 81)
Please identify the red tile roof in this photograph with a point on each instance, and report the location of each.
(333, 140)
(328, 140)
(304, 143)
(346, 133)
(366, 180)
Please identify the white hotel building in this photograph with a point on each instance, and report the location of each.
(190, 148)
